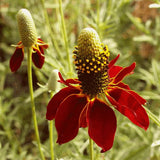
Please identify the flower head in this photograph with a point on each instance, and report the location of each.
(29, 38)
(80, 104)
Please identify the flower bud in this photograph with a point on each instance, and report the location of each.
(26, 27)
(53, 85)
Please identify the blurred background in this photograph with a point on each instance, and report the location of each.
(129, 27)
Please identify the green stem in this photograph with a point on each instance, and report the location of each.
(65, 35)
(54, 42)
(91, 148)
(51, 135)
(51, 139)
(152, 116)
(30, 83)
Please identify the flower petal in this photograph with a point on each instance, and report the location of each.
(38, 58)
(138, 97)
(123, 85)
(42, 43)
(83, 117)
(101, 124)
(16, 59)
(112, 62)
(124, 72)
(57, 99)
(68, 81)
(73, 81)
(126, 103)
(114, 70)
(67, 117)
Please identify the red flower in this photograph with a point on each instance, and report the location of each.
(37, 55)
(79, 104)
(73, 109)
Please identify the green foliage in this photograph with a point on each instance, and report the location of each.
(122, 32)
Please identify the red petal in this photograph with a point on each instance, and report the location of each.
(122, 85)
(101, 124)
(41, 50)
(82, 119)
(124, 72)
(16, 59)
(112, 62)
(68, 81)
(113, 71)
(128, 105)
(43, 44)
(38, 59)
(138, 97)
(67, 117)
(73, 81)
(57, 99)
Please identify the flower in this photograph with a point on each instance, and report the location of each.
(29, 38)
(52, 84)
(82, 104)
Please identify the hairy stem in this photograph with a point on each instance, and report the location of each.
(30, 83)
(91, 148)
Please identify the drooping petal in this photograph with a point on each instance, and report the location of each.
(83, 117)
(67, 117)
(42, 44)
(16, 59)
(57, 99)
(128, 105)
(73, 81)
(123, 85)
(38, 58)
(68, 81)
(114, 70)
(101, 124)
(41, 50)
(124, 72)
(138, 97)
(112, 62)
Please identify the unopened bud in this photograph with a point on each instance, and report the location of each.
(53, 85)
(26, 27)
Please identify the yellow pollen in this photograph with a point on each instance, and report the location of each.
(76, 47)
(93, 59)
(75, 62)
(95, 67)
(87, 60)
(74, 56)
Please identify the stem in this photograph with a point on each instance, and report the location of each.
(152, 116)
(65, 35)
(51, 136)
(91, 148)
(30, 83)
(51, 34)
(51, 139)
(98, 16)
